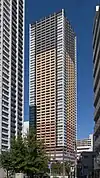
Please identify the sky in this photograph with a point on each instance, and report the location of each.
(81, 14)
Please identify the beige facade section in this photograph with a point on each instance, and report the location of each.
(46, 97)
(71, 100)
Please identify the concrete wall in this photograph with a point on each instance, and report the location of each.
(2, 173)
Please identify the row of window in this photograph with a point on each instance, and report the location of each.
(46, 58)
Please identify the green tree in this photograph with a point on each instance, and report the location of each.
(5, 161)
(36, 161)
(26, 155)
(67, 168)
(56, 168)
(18, 153)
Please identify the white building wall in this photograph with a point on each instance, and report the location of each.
(85, 145)
(61, 107)
(25, 127)
(11, 125)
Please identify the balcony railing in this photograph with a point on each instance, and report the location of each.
(97, 142)
(97, 125)
(97, 110)
(97, 92)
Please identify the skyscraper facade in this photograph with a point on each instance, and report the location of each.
(11, 70)
(96, 74)
(52, 84)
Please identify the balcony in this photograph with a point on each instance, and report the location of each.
(97, 76)
(97, 110)
(96, 94)
(13, 125)
(97, 36)
(97, 142)
(13, 130)
(97, 126)
(96, 59)
(20, 118)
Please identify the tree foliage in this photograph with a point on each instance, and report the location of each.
(26, 155)
(57, 168)
(67, 167)
(5, 161)
(36, 161)
(18, 153)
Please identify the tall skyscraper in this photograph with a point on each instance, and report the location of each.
(11, 70)
(96, 74)
(52, 86)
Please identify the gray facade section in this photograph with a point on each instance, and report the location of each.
(96, 75)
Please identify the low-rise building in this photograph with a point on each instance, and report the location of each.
(84, 145)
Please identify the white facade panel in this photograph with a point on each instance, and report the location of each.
(11, 70)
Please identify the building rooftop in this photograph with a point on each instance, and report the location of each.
(97, 8)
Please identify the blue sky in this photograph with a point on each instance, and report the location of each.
(81, 14)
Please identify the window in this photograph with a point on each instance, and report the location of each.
(85, 167)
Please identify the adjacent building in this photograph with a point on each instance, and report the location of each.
(25, 128)
(96, 75)
(85, 165)
(84, 145)
(11, 70)
(53, 84)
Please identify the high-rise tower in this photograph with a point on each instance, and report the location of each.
(96, 74)
(52, 86)
(11, 70)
